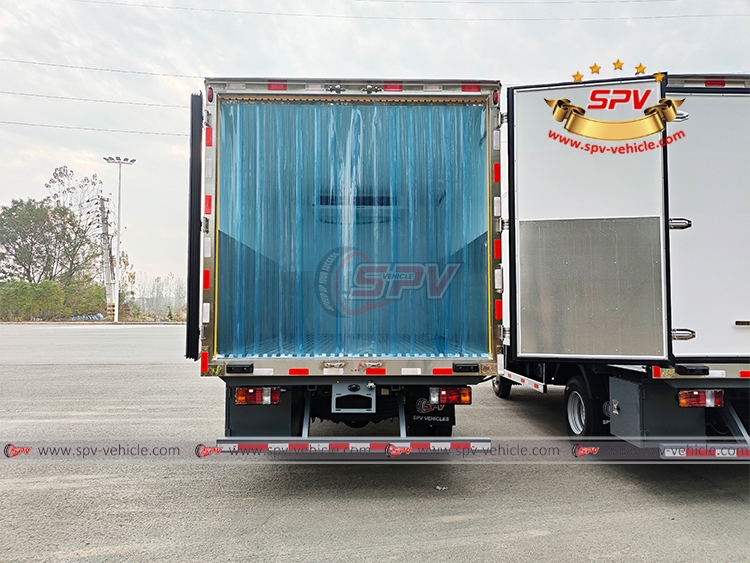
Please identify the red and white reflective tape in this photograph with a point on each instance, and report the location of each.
(525, 381)
(357, 447)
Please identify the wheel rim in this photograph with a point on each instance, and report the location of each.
(576, 413)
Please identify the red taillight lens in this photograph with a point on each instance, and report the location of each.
(450, 395)
(257, 396)
(495, 96)
(274, 395)
(210, 94)
(468, 87)
(715, 83)
(393, 87)
(277, 86)
(701, 398)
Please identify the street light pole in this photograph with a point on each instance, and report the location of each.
(117, 160)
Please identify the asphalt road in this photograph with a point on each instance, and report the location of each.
(74, 382)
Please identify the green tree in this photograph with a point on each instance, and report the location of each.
(40, 240)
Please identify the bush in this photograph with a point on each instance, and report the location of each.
(84, 298)
(48, 301)
(16, 301)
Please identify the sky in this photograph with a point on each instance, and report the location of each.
(51, 49)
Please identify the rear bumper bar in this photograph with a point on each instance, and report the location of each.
(352, 449)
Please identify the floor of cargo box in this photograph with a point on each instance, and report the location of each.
(329, 346)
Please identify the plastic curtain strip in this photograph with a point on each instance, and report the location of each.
(352, 230)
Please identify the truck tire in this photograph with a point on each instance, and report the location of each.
(501, 387)
(582, 418)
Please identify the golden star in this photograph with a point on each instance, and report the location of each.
(577, 77)
(659, 76)
(618, 64)
(640, 69)
(595, 69)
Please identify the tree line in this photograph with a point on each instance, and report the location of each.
(51, 253)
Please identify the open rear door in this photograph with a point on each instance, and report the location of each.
(589, 271)
(709, 203)
(192, 334)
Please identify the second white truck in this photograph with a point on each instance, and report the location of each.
(626, 254)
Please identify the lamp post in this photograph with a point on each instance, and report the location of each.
(119, 162)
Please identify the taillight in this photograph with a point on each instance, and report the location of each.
(210, 94)
(495, 96)
(277, 86)
(257, 395)
(715, 83)
(450, 395)
(469, 87)
(393, 87)
(701, 398)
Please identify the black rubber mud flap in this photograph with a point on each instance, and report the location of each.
(424, 419)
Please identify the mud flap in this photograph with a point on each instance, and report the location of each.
(424, 419)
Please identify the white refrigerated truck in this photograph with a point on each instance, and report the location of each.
(339, 260)
(626, 254)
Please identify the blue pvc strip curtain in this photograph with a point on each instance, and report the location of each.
(352, 230)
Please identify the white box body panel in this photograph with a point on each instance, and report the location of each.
(709, 184)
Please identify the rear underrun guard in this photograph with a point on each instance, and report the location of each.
(352, 449)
